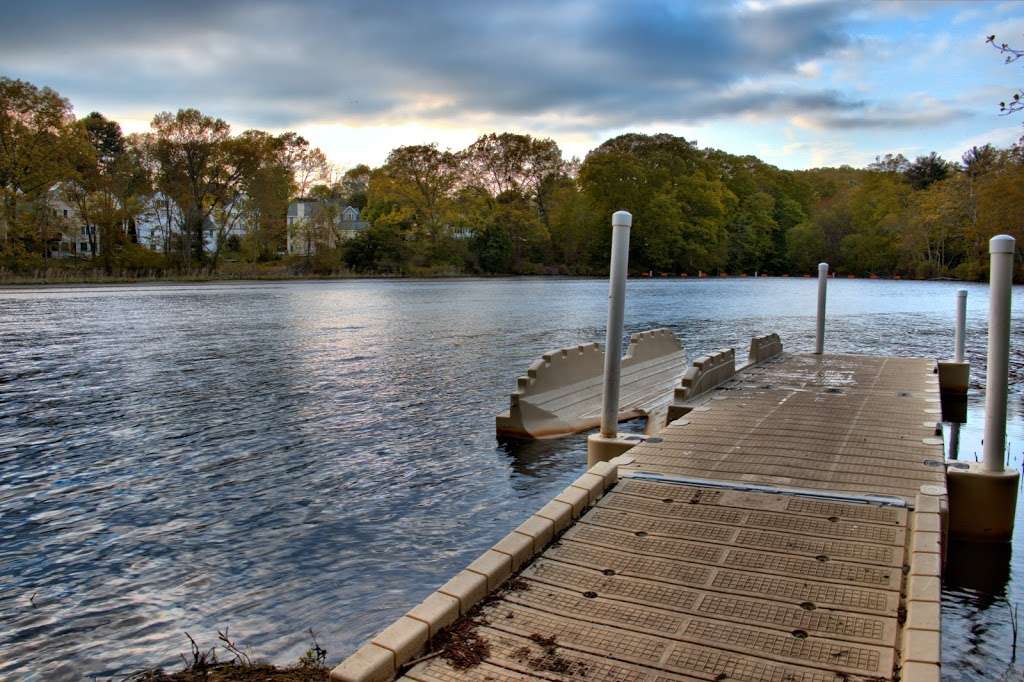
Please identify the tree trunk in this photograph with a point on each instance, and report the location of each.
(216, 253)
(198, 243)
(11, 213)
(92, 231)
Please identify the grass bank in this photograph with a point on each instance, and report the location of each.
(226, 272)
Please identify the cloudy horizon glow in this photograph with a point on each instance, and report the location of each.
(798, 83)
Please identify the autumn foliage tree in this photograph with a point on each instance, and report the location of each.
(508, 203)
(36, 130)
(107, 185)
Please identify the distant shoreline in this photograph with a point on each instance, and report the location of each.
(29, 283)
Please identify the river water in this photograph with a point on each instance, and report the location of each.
(285, 456)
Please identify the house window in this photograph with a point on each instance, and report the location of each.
(65, 213)
(84, 247)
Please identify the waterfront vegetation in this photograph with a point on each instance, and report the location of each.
(506, 204)
(239, 665)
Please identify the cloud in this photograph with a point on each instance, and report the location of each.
(359, 77)
(273, 63)
(811, 69)
(1000, 137)
(914, 112)
(968, 15)
(837, 154)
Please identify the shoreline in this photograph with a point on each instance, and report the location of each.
(77, 283)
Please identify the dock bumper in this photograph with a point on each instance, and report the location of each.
(981, 503)
(954, 377)
(604, 448)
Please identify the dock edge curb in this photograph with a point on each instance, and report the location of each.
(381, 659)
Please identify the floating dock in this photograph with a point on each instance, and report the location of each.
(788, 528)
(561, 393)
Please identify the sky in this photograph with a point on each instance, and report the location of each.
(798, 83)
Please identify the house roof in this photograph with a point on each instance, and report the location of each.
(314, 206)
(293, 206)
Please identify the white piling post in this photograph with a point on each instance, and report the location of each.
(1001, 250)
(961, 322)
(621, 222)
(819, 341)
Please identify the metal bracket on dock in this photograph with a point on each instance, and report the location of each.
(883, 500)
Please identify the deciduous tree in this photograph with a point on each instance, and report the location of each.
(195, 164)
(927, 169)
(107, 185)
(35, 124)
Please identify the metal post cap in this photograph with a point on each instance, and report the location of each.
(1001, 243)
(622, 219)
(822, 267)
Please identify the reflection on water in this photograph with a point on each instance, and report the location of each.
(982, 583)
(534, 458)
(954, 410)
(953, 441)
(977, 614)
(291, 455)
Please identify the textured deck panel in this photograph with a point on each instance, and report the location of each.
(627, 594)
(744, 544)
(835, 422)
(513, 656)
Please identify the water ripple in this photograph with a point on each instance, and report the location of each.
(284, 456)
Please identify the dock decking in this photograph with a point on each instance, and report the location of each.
(846, 423)
(787, 529)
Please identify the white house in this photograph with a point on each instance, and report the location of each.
(161, 219)
(157, 222)
(305, 233)
(155, 226)
(460, 232)
(72, 238)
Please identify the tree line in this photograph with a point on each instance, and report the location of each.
(506, 204)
